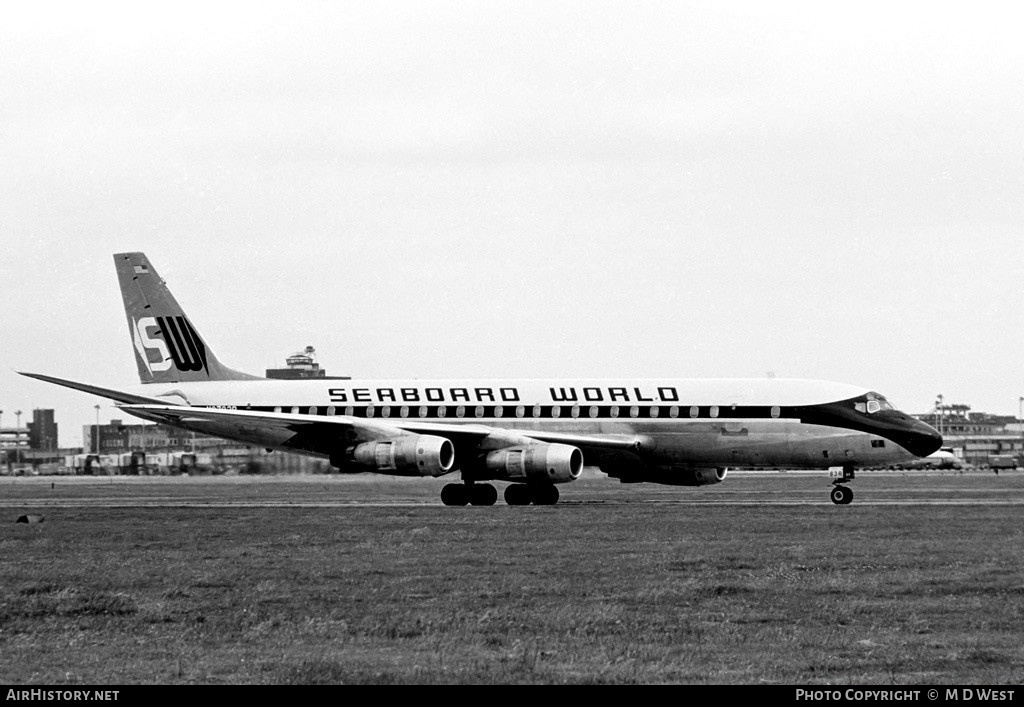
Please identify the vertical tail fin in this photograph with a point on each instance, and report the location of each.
(168, 349)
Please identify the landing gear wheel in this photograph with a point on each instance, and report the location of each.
(482, 494)
(841, 495)
(517, 495)
(454, 495)
(545, 495)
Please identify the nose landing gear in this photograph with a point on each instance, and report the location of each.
(842, 495)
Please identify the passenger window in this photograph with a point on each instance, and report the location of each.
(312, 410)
(714, 411)
(536, 410)
(555, 411)
(460, 411)
(694, 411)
(634, 411)
(575, 411)
(348, 410)
(277, 409)
(673, 411)
(385, 411)
(593, 410)
(330, 410)
(520, 410)
(442, 411)
(295, 411)
(404, 411)
(369, 410)
(498, 411)
(654, 411)
(423, 410)
(614, 412)
(776, 411)
(479, 412)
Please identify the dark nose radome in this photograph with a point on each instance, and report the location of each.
(923, 440)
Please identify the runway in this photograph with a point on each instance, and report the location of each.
(751, 489)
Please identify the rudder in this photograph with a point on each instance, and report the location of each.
(168, 349)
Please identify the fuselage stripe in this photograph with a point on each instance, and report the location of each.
(533, 412)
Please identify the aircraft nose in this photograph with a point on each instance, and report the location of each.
(923, 439)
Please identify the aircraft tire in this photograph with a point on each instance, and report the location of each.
(482, 494)
(841, 495)
(517, 495)
(545, 495)
(454, 495)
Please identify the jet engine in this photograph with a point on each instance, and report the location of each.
(409, 455)
(703, 477)
(552, 463)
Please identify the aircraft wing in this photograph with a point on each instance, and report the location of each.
(323, 434)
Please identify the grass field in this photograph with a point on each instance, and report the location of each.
(758, 580)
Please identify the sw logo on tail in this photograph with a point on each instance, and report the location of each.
(180, 344)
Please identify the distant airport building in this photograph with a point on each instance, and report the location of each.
(13, 439)
(977, 438)
(18, 443)
(116, 437)
(147, 449)
(110, 438)
(302, 364)
(42, 431)
(13, 446)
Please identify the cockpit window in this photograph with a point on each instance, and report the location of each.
(875, 403)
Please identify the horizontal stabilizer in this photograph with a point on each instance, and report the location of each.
(119, 396)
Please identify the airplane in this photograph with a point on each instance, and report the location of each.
(533, 434)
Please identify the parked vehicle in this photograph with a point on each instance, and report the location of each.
(1002, 461)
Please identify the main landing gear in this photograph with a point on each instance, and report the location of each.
(476, 494)
(524, 495)
(842, 495)
(471, 494)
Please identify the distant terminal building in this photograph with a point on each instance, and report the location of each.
(146, 448)
(302, 364)
(115, 437)
(977, 438)
(958, 420)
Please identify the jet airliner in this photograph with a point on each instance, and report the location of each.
(533, 435)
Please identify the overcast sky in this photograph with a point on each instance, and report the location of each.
(520, 189)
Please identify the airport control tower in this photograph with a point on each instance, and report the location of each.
(302, 364)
